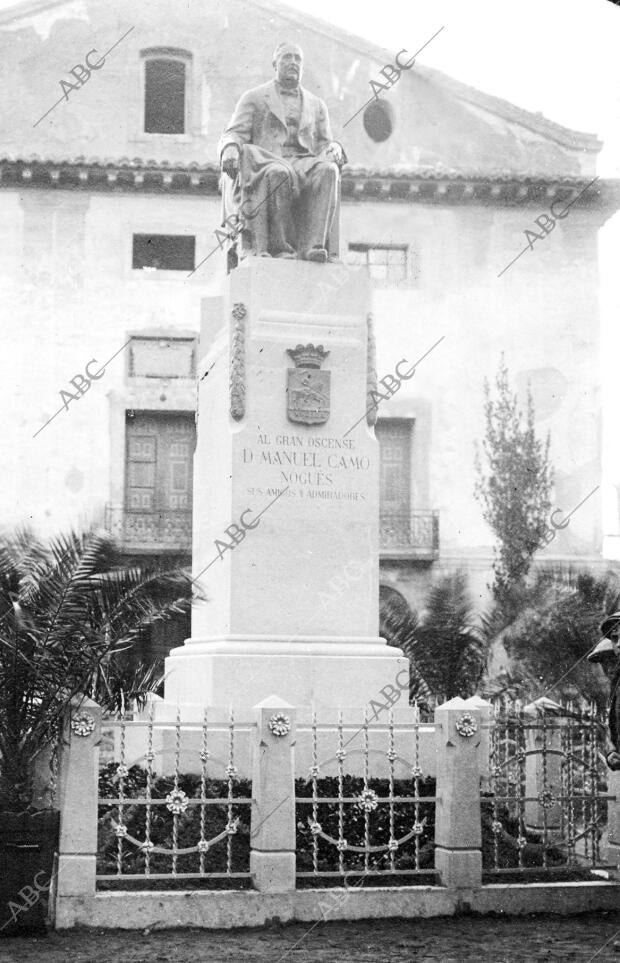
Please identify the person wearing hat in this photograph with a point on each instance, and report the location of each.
(607, 655)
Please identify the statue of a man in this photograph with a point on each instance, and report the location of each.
(283, 165)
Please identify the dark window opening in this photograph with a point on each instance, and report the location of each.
(386, 263)
(379, 120)
(164, 97)
(164, 252)
(394, 437)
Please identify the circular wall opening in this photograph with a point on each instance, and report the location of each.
(379, 120)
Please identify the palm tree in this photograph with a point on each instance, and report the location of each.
(398, 625)
(70, 616)
(450, 651)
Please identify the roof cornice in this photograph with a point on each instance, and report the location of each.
(399, 184)
(19, 11)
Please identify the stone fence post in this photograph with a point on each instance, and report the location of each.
(272, 836)
(458, 838)
(611, 853)
(543, 767)
(77, 796)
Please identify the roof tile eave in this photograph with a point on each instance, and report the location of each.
(396, 172)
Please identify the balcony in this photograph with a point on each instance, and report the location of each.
(413, 536)
(142, 532)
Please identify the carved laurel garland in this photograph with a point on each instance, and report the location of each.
(371, 373)
(237, 363)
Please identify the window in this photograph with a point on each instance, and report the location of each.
(164, 95)
(378, 120)
(163, 252)
(386, 263)
(394, 438)
(158, 480)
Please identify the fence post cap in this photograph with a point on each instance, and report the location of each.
(455, 703)
(274, 702)
(83, 702)
(476, 702)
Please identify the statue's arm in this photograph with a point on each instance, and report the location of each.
(326, 138)
(324, 133)
(239, 130)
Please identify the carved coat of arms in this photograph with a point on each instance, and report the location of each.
(308, 388)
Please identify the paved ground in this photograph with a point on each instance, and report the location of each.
(464, 940)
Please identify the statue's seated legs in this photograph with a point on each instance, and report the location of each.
(287, 206)
(314, 210)
(278, 203)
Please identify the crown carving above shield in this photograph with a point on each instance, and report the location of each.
(307, 356)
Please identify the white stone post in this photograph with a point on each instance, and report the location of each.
(77, 795)
(458, 838)
(272, 836)
(611, 852)
(486, 721)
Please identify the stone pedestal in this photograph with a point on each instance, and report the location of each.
(458, 841)
(286, 496)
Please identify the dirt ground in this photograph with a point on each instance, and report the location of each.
(461, 940)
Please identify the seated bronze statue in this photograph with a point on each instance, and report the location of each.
(281, 167)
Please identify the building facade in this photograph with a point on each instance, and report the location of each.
(110, 201)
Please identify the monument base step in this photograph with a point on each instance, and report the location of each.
(305, 671)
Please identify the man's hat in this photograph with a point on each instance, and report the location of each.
(611, 622)
(604, 649)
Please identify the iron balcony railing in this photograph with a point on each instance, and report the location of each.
(412, 535)
(140, 531)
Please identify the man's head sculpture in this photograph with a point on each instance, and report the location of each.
(288, 61)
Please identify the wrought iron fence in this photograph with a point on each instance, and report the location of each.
(354, 824)
(139, 530)
(413, 533)
(170, 808)
(544, 807)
